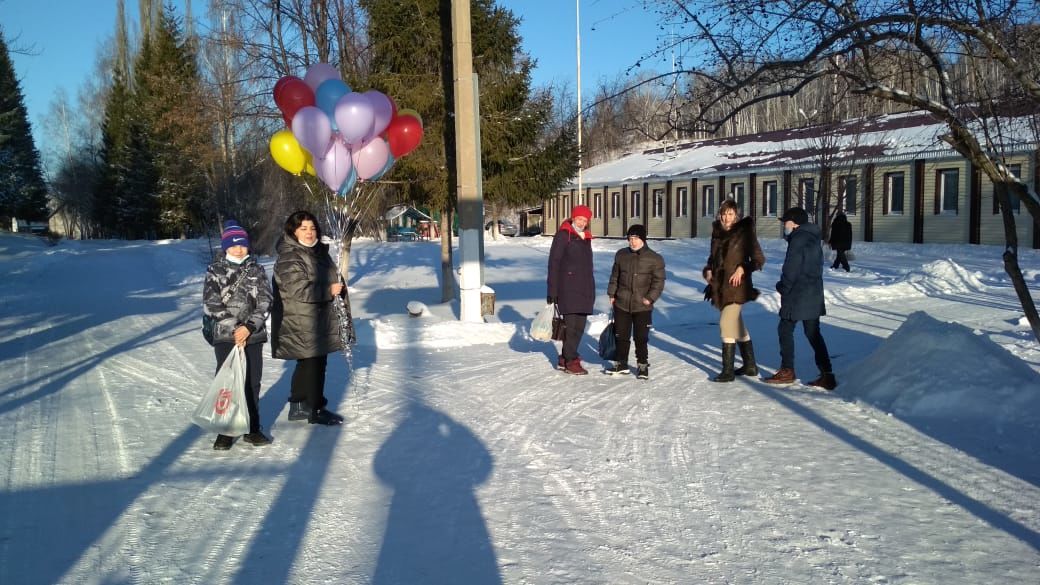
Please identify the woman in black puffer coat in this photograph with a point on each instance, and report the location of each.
(304, 323)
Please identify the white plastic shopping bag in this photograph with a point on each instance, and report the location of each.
(222, 409)
(541, 327)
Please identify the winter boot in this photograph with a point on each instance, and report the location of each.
(325, 417)
(782, 376)
(299, 411)
(619, 368)
(747, 353)
(574, 367)
(729, 352)
(257, 439)
(223, 443)
(825, 381)
(643, 371)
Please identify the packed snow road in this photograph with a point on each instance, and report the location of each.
(466, 458)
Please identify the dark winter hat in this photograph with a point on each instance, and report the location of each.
(581, 211)
(638, 231)
(233, 235)
(795, 214)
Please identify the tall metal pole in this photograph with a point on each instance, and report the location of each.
(467, 164)
(577, 37)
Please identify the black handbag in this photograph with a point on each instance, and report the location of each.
(559, 328)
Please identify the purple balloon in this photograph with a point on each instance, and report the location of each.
(354, 117)
(312, 130)
(382, 110)
(370, 157)
(335, 166)
(318, 73)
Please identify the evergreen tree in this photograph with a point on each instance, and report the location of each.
(169, 94)
(411, 57)
(23, 192)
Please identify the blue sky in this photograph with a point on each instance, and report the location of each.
(66, 35)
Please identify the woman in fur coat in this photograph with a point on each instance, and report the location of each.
(734, 255)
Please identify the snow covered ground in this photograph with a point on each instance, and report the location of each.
(467, 459)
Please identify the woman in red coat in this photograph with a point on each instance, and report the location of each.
(571, 284)
(735, 254)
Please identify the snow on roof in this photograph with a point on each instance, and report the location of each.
(906, 135)
(399, 210)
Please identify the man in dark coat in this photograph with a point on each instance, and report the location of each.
(636, 282)
(801, 298)
(571, 284)
(841, 240)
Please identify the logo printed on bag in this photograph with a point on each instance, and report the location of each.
(223, 401)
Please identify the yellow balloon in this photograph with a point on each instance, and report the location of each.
(308, 164)
(287, 152)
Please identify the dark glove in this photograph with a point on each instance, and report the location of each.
(550, 300)
(707, 292)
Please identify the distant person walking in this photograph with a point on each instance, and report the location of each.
(735, 254)
(571, 284)
(841, 240)
(304, 323)
(636, 282)
(237, 296)
(801, 298)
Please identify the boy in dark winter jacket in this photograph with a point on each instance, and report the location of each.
(636, 282)
(801, 298)
(237, 296)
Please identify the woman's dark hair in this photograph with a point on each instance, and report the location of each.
(296, 220)
(729, 204)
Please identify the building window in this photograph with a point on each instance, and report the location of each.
(769, 197)
(658, 203)
(736, 193)
(894, 191)
(682, 202)
(949, 190)
(597, 206)
(708, 200)
(635, 201)
(849, 186)
(807, 195)
(615, 204)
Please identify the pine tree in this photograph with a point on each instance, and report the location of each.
(23, 192)
(412, 60)
(168, 91)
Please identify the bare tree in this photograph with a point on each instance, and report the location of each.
(902, 51)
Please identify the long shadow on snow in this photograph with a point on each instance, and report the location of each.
(979, 509)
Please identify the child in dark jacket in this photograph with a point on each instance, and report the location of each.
(636, 282)
(237, 296)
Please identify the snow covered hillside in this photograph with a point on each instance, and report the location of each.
(466, 458)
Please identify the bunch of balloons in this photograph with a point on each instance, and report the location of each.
(338, 135)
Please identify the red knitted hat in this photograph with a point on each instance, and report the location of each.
(581, 211)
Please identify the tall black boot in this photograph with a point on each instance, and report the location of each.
(729, 352)
(747, 353)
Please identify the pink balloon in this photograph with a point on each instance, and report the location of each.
(370, 157)
(354, 117)
(382, 110)
(318, 73)
(334, 167)
(312, 130)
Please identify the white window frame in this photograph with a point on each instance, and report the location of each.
(736, 193)
(657, 203)
(682, 202)
(889, 192)
(771, 197)
(804, 197)
(597, 205)
(944, 197)
(844, 201)
(708, 200)
(636, 204)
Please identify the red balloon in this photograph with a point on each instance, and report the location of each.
(293, 95)
(280, 84)
(403, 135)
